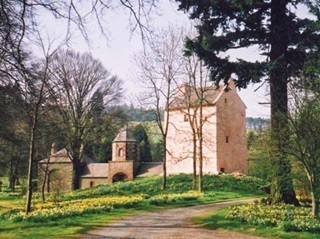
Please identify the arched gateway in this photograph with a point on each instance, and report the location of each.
(125, 156)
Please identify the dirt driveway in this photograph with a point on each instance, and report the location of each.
(166, 224)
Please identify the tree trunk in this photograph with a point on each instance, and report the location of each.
(281, 185)
(30, 166)
(164, 165)
(76, 173)
(200, 136)
(315, 204)
(194, 183)
(11, 177)
(77, 150)
(45, 179)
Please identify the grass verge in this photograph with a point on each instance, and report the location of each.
(217, 220)
(216, 188)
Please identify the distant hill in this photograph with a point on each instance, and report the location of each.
(136, 114)
(257, 123)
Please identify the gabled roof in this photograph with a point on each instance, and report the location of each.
(125, 135)
(96, 170)
(188, 96)
(63, 156)
(147, 169)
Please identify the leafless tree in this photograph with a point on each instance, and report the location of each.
(18, 25)
(304, 140)
(159, 72)
(75, 82)
(19, 22)
(195, 98)
(35, 82)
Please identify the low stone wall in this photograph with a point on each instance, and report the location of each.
(90, 182)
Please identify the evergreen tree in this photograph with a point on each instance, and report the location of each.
(140, 134)
(287, 41)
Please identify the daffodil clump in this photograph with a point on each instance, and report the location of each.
(285, 217)
(173, 197)
(51, 211)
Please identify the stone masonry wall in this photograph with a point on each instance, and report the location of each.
(59, 177)
(120, 167)
(90, 182)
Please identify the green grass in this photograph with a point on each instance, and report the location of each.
(240, 187)
(9, 201)
(217, 220)
(216, 188)
(64, 228)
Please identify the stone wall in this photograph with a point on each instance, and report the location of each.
(224, 136)
(125, 168)
(231, 133)
(180, 142)
(90, 182)
(59, 176)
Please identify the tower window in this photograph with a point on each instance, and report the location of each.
(120, 153)
(227, 139)
(225, 100)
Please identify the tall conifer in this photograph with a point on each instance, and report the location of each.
(286, 39)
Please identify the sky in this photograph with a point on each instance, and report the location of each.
(118, 51)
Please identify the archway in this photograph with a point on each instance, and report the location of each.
(119, 177)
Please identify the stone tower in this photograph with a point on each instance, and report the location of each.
(125, 156)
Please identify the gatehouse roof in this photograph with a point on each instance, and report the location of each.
(125, 135)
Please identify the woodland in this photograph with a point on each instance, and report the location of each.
(71, 100)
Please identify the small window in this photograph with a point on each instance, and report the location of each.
(120, 154)
(91, 184)
(222, 170)
(186, 118)
(227, 139)
(225, 100)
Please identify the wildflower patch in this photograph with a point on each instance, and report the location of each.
(285, 217)
(52, 211)
(49, 211)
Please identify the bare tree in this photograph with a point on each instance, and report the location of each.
(39, 96)
(160, 70)
(75, 81)
(304, 140)
(190, 100)
(18, 24)
(195, 99)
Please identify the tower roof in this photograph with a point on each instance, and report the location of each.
(125, 134)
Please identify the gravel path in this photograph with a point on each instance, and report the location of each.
(167, 224)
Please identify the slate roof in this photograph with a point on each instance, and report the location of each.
(63, 156)
(150, 169)
(96, 170)
(188, 96)
(125, 134)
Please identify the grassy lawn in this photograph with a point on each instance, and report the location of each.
(75, 226)
(9, 201)
(217, 220)
(64, 228)
(216, 188)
